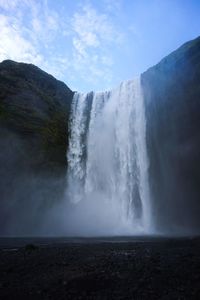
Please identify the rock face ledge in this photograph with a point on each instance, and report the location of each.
(34, 109)
(172, 99)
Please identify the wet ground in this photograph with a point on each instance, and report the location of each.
(103, 268)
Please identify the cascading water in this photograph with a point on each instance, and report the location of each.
(107, 160)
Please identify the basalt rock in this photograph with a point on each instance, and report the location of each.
(172, 99)
(34, 109)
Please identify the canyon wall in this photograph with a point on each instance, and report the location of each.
(172, 100)
(34, 109)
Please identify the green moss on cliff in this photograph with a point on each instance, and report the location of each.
(36, 107)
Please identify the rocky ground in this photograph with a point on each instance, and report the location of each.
(116, 268)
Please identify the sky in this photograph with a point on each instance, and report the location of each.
(95, 44)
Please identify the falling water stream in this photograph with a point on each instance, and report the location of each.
(107, 159)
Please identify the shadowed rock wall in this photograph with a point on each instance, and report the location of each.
(34, 110)
(172, 99)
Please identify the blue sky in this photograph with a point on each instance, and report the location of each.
(95, 44)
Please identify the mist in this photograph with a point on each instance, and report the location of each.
(106, 186)
(107, 180)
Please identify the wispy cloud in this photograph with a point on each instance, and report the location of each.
(113, 6)
(27, 40)
(7, 5)
(93, 35)
(13, 45)
(32, 31)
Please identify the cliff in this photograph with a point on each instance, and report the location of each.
(172, 100)
(34, 113)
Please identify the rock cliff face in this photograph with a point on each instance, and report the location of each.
(35, 106)
(172, 98)
(34, 109)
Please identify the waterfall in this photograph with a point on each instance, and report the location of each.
(107, 160)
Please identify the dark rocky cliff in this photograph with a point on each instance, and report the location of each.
(34, 109)
(172, 98)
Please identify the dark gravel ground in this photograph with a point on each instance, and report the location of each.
(117, 268)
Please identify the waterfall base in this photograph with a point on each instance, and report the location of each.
(107, 181)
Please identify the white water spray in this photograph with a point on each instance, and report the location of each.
(107, 160)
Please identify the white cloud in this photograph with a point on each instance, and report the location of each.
(44, 22)
(7, 5)
(93, 35)
(26, 42)
(92, 28)
(13, 45)
(113, 6)
(32, 31)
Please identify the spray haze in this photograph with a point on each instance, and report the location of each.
(108, 165)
